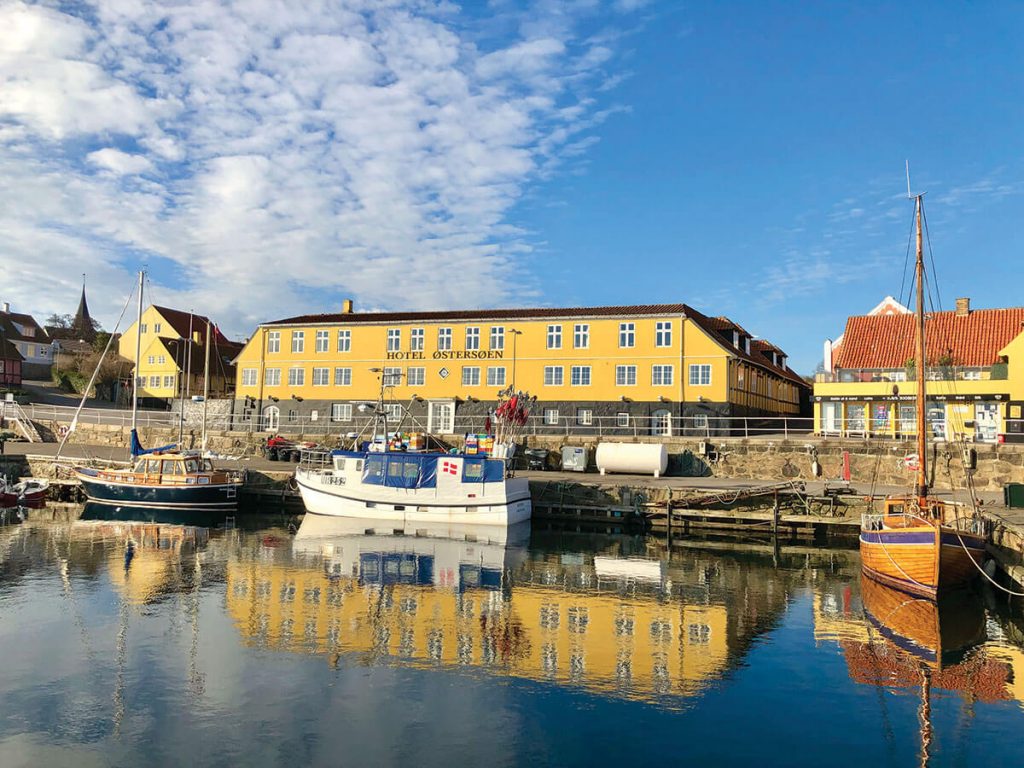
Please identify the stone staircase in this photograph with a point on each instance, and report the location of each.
(13, 414)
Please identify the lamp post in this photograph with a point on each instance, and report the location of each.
(515, 335)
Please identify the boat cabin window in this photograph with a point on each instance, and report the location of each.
(153, 467)
(339, 463)
(171, 467)
(896, 509)
(207, 465)
(191, 465)
(374, 470)
(395, 468)
(140, 466)
(473, 470)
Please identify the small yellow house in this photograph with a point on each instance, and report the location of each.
(173, 355)
(975, 376)
(651, 369)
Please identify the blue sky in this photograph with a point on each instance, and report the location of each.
(744, 158)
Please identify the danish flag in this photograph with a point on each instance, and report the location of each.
(449, 468)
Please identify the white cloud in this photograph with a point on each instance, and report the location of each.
(260, 152)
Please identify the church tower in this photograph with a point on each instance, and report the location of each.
(83, 325)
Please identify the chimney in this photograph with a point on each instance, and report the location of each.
(346, 307)
(963, 307)
(7, 307)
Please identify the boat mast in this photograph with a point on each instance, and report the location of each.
(138, 355)
(922, 440)
(206, 382)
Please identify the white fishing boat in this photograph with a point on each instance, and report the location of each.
(423, 487)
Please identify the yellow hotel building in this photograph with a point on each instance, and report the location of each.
(654, 369)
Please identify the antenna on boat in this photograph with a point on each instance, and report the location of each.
(908, 179)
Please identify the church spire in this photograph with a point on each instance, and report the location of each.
(83, 324)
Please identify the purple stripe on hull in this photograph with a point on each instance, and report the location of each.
(897, 537)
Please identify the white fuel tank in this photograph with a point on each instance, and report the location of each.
(634, 458)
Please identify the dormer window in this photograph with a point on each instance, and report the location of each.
(736, 339)
(746, 344)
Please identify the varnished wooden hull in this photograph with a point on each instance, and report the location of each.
(922, 560)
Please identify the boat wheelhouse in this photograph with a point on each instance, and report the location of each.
(415, 487)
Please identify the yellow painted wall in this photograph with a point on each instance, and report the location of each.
(528, 353)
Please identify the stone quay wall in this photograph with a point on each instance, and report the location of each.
(877, 461)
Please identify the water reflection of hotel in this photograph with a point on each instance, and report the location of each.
(631, 627)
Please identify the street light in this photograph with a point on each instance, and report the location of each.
(515, 335)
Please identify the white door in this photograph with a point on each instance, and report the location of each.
(986, 421)
(271, 418)
(661, 422)
(831, 418)
(441, 418)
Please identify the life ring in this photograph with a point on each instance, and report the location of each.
(293, 484)
(911, 462)
(63, 431)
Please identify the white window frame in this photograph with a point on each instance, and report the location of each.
(496, 376)
(344, 340)
(625, 375)
(394, 339)
(416, 376)
(663, 375)
(472, 338)
(697, 371)
(157, 327)
(323, 341)
(551, 416)
(585, 417)
(150, 360)
(161, 359)
(627, 335)
(554, 337)
(321, 377)
(272, 377)
(581, 336)
(341, 412)
(416, 337)
(154, 382)
(663, 333)
(622, 419)
(343, 377)
(273, 341)
(579, 376)
(394, 412)
(296, 376)
(168, 381)
(471, 375)
(444, 339)
(554, 376)
(700, 421)
(249, 377)
(497, 337)
(392, 376)
(298, 342)
(142, 327)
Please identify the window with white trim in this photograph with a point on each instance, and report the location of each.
(154, 382)
(168, 382)
(341, 411)
(394, 339)
(625, 375)
(298, 341)
(472, 338)
(344, 340)
(142, 327)
(416, 377)
(444, 339)
(161, 359)
(579, 376)
(416, 340)
(151, 359)
(323, 341)
(663, 333)
(274, 341)
(471, 376)
(321, 377)
(392, 377)
(496, 376)
(156, 327)
(343, 377)
(550, 416)
(584, 417)
(248, 377)
(554, 337)
(581, 336)
(700, 375)
(627, 334)
(700, 421)
(497, 337)
(272, 377)
(662, 375)
(622, 419)
(553, 375)
(394, 412)
(296, 377)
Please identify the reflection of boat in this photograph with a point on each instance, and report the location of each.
(918, 543)
(428, 554)
(921, 643)
(94, 510)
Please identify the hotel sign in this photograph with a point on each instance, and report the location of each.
(905, 398)
(450, 354)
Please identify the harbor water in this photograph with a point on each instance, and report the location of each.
(341, 643)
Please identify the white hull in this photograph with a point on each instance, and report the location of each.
(507, 508)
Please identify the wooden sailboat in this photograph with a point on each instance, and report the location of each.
(918, 543)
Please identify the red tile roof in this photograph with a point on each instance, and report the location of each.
(887, 341)
(182, 321)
